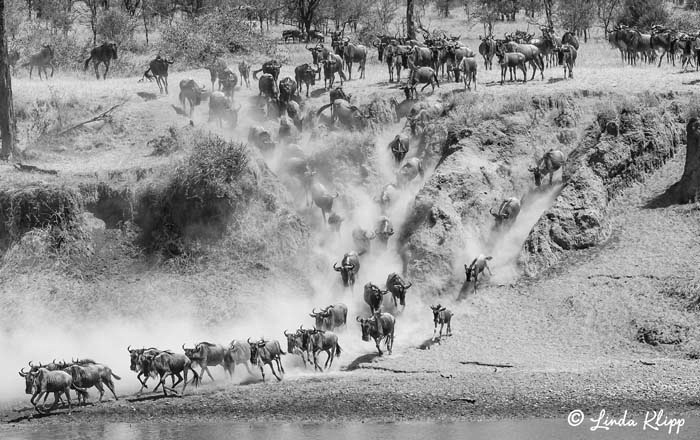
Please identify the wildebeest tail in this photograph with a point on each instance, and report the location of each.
(318, 113)
(560, 57)
(337, 350)
(255, 73)
(87, 63)
(436, 79)
(115, 376)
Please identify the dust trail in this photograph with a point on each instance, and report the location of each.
(506, 248)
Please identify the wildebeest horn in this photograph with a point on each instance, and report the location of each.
(314, 311)
(492, 213)
(285, 333)
(335, 266)
(128, 348)
(183, 347)
(30, 364)
(249, 340)
(357, 318)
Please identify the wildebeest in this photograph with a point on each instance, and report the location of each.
(220, 108)
(507, 212)
(216, 69)
(566, 56)
(293, 34)
(331, 317)
(339, 93)
(384, 230)
(268, 87)
(355, 54)
(171, 364)
(423, 75)
(409, 171)
(487, 49)
(40, 60)
(244, 70)
(331, 66)
(399, 146)
(441, 316)
(319, 53)
(190, 92)
(139, 365)
(387, 197)
(322, 198)
(363, 240)
(228, 81)
(509, 61)
(271, 67)
(374, 296)
(320, 340)
(263, 353)
(206, 355)
(295, 344)
(93, 371)
(238, 353)
(396, 285)
(349, 267)
(421, 57)
(261, 138)
(335, 221)
(158, 68)
(468, 68)
(305, 74)
(420, 116)
(548, 164)
(476, 268)
(403, 108)
(379, 326)
(103, 54)
(287, 89)
(349, 115)
(531, 52)
(56, 382)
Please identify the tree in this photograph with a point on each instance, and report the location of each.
(576, 16)
(305, 11)
(643, 13)
(688, 188)
(487, 12)
(607, 9)
(7, 111)
(410, 26)
(548, 11)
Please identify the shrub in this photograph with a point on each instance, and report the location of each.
(117, 26)
(198, 199)
(643, 13)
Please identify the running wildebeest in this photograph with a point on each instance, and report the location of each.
(379, 326)
(335, 221)
(320, 340)
(349, 267)
(56, 382)
(87, 373)
(171, 364)
(423, 75)
(261, 138)
(468, 68)
(295, 344)
(363, 240)
(548, 164)
(507, 212)
(227, 82)
(40, 60)
(374, 297)
(509, 61)
(399, 146)
(220, 109)
(238, 353)
(322, 198)
(531, 52)
(287, 88)
(349, 115)
(387, 197)
(158, 68)
(409, 171)
(244, 70)
(396, 285)
(206, 355)
(441, 316)
(190, 92)
(263, 353)
(487, 49)
(339, 93)
(477, 267)
(384, 230)
(331, 317)
(103, 54)
(139, 365)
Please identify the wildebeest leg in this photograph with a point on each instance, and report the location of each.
(376, 342)
(165, 81)
(426, 85)
(316, 366)
(110, 385)
(329, 359)
(205, 368)
(100, 388)
(390, 342)
(107, 63)
(262, 372)
(449, 328)
(96, 65)
(179, 379)
(52, 69)
(274, 373)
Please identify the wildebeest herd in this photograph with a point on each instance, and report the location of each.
(282, 97)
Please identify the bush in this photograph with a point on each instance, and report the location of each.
(200, 39)
(117, 26)
(198, 199)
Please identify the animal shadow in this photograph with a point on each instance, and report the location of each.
(179, 110)
(148, 398)
(692, 83)
(364, 359)
(467, 286)
(147, 96)
(428, 343)
(555, 80)
(316, 93)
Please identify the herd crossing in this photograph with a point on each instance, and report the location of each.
(427, 62)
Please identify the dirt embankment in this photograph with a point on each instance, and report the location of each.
(485, 156)
(622, 146)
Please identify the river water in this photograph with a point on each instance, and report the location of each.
(527, 429)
